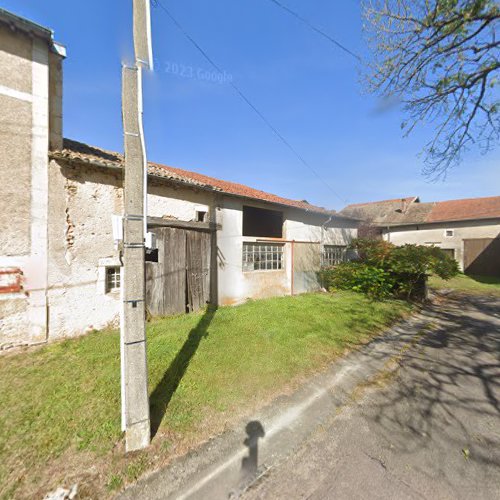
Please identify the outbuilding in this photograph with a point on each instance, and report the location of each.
(61, 201)
(467, 229)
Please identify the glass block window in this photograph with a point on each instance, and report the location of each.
(334, 254)
(262, 257)
(112, 279)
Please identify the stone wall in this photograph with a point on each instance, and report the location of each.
(24, 141)
(81, 247)
(82, 201)
(15, 142)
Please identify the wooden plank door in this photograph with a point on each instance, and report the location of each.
(198, 269)
(482, 256)
(166, 279)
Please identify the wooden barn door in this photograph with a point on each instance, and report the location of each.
(180, 281)
(482, 256)
(197, 269)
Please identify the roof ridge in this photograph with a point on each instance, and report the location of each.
(468, 199)
(76, 150)
(393, 200)
(209, 177)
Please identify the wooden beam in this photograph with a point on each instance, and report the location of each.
(198, 226)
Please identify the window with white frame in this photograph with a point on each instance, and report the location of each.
(112, 279)
(334, 254)
(262, 257)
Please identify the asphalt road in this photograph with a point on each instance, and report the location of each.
(428, 427)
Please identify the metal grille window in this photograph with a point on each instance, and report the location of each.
(262, 257)
(334, 254)
(112, 279)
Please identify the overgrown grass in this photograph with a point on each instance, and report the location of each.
(480, 285)
(60, 405)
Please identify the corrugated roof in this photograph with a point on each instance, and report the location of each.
(80, 152)
(410, 211)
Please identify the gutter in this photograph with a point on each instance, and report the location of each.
(428, 223)
(29, 27)
(25, 25)
(323, 229)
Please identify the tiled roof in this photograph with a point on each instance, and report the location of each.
(397, 201)
(388, 212)
(79, 152)
(466, 209)
(410, 211)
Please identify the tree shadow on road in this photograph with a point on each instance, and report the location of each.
(446, 392)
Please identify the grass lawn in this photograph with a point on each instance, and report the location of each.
(60, 404)
(480, 285)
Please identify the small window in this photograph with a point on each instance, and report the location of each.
(449, 251)
(334, 254)
(262, 257)
(201, 215)
(449, 233)
(112, 279)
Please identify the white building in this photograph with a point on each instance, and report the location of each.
(218, 241)
(468, 229)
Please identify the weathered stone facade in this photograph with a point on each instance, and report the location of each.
(30, 60)
(56, 212)
(81, 243)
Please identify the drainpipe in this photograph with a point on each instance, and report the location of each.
(293, 265)
(323, 229)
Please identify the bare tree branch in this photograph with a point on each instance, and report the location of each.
(441, 58)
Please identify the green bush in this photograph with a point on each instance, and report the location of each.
(360, 277)
(383, 269)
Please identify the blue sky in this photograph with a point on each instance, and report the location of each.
(305, 86)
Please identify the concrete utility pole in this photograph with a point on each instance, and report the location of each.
(135, 401)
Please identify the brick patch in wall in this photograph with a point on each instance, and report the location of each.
(11, 280)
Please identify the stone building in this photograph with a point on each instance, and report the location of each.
(31, 122)
(60, 268)
(467, 229)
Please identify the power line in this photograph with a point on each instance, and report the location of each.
(317, 30)
(157, 3)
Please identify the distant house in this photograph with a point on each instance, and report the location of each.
(60, 268)
(468, 229)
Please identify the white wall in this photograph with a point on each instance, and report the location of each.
(182, 204)
(235, 285)
(81, 246)
(82, 200)
(24, 142)
(434, 234)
